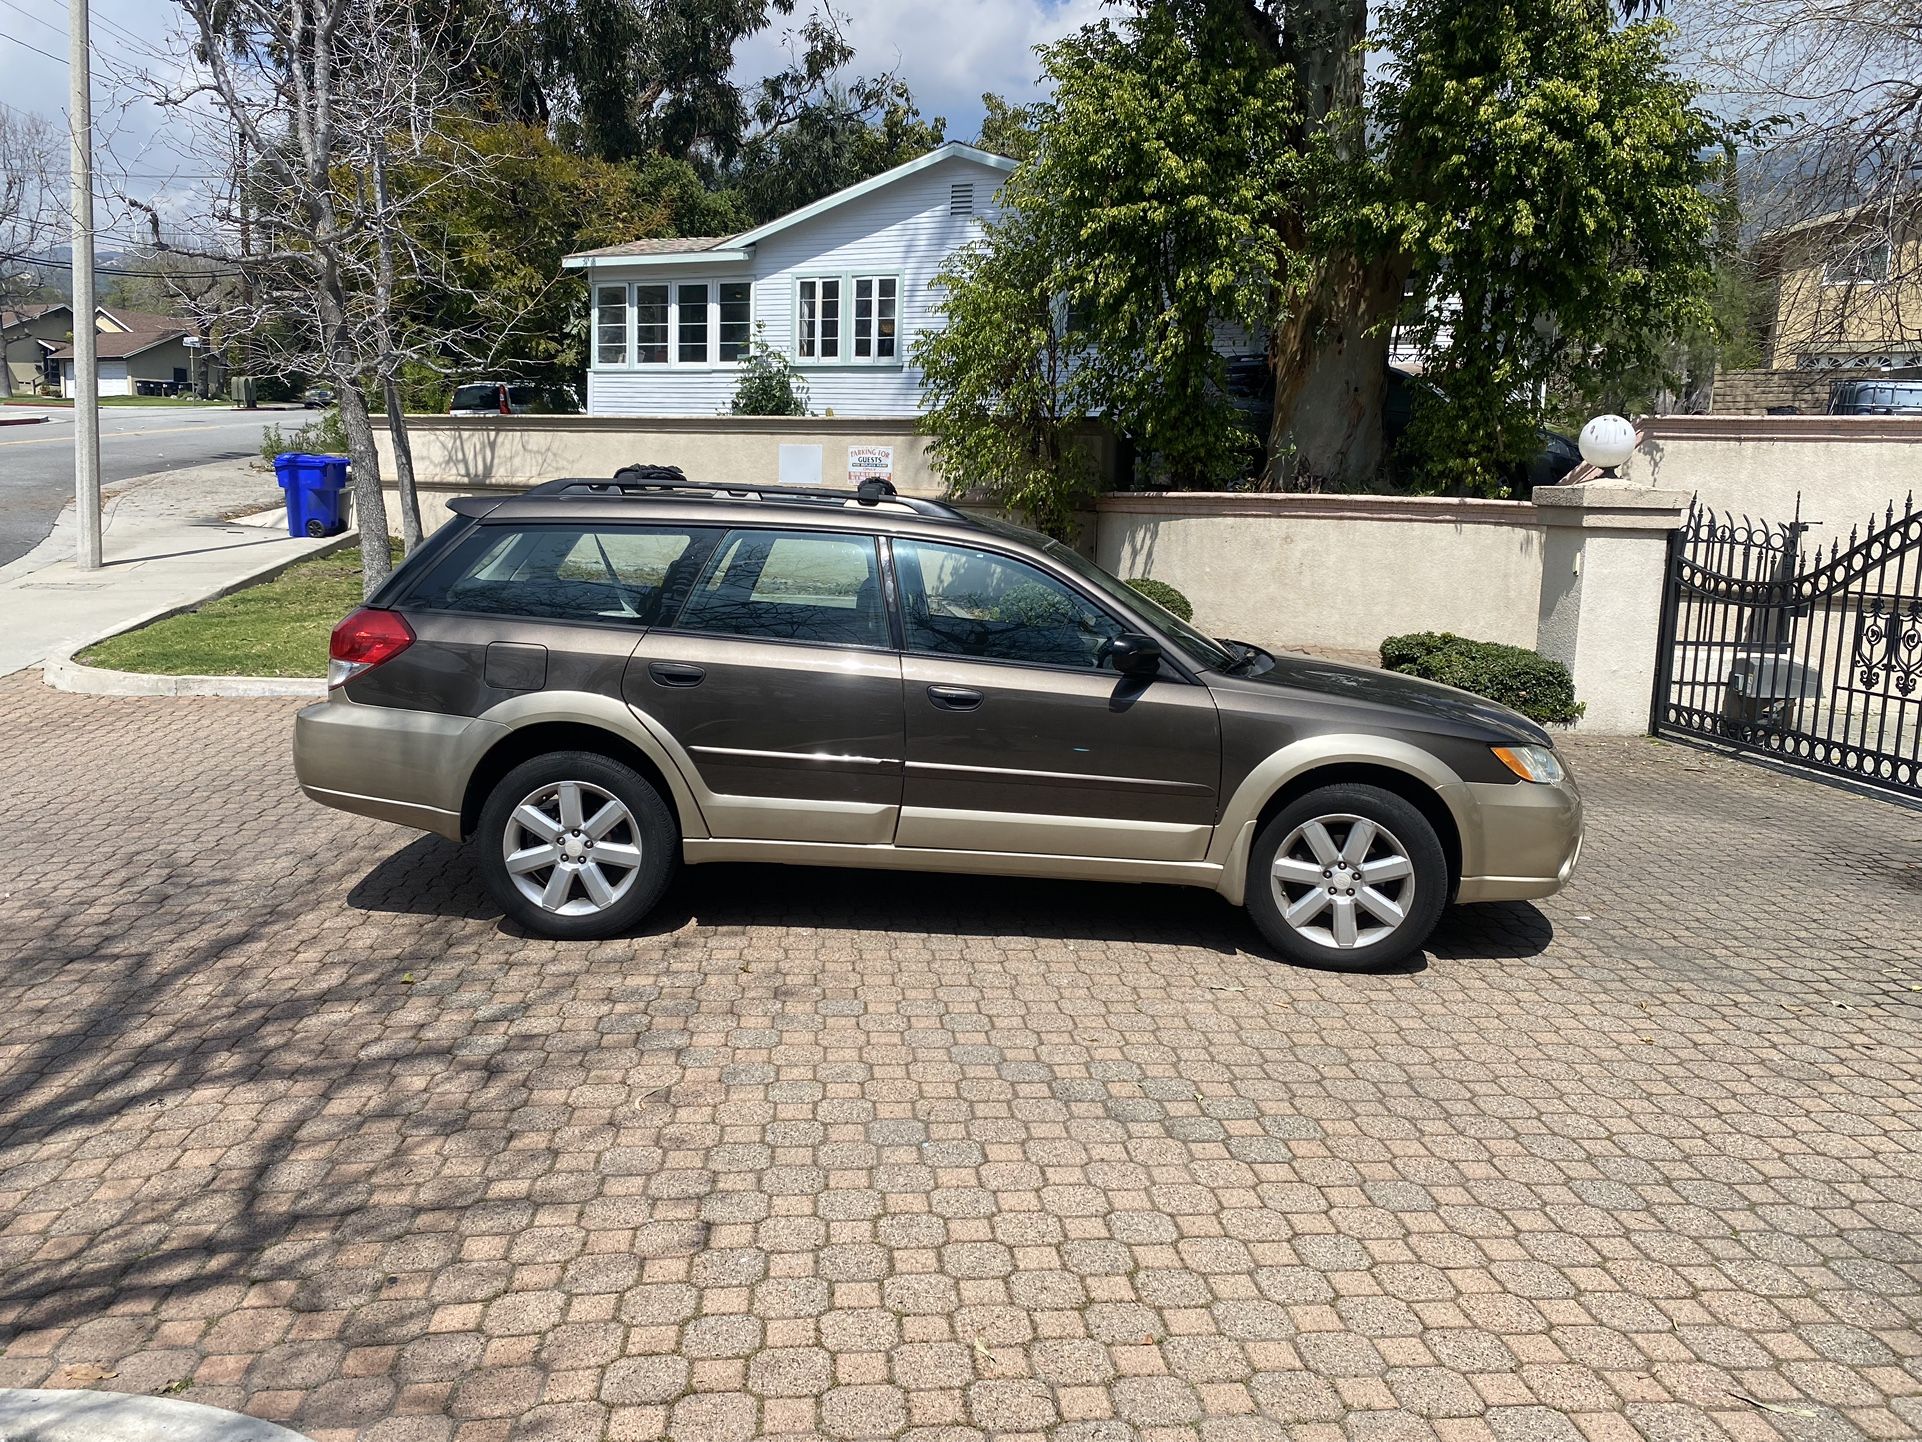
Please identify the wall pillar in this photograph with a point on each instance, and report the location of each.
(1604, 553)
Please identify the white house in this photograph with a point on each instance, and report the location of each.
(841, 287)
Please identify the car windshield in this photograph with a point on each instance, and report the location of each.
(1201, 649)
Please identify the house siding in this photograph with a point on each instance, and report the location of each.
(903, 229)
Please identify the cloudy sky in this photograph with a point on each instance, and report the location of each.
(948, 53)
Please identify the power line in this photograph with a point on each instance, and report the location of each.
(30, 15)
(130, 274)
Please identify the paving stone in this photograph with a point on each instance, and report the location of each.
(946, 1159)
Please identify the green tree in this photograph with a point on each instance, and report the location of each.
(1006, 129)
(1001, 380)
(502, 299)
(1549, 189)
(1534, 170)
(1148, 223)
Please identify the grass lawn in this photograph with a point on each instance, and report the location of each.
(184, 401)
(277, 628)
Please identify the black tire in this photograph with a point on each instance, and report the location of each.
(649, 826)
(1411, 835)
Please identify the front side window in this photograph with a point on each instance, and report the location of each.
(565, 573)
(819, 334)
(610, 325)
(819, 587)
(958, 601)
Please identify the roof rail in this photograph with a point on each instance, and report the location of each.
(643, 480)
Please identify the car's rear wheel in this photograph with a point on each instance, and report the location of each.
(576, 845)
(1350, 876)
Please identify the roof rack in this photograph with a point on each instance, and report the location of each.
(645, 480)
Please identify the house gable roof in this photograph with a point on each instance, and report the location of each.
(123, 344)
(738, 247)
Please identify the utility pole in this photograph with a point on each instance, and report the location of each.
(86, 367)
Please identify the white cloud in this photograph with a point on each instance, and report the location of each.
(948, 53)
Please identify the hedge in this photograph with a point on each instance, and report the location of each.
(1523, 680)
(1164, 596)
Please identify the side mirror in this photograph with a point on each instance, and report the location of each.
(1133, 654)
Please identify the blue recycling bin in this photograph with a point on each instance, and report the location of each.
(316, 492)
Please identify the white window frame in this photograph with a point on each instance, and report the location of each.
(1843, 266)
(631, 360)
(847, 280)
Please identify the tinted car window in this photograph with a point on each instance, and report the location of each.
(476, 398)
(791, 586)
(565, 573)
(957, 601)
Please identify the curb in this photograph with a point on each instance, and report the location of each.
(30, 1414)
(63, 673)
(24, 420)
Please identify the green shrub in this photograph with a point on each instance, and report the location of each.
(1523, 680)
(1399, 653)
(1164, 596)
(324, 435)
(769, 385)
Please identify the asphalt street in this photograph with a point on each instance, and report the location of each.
(36, 462)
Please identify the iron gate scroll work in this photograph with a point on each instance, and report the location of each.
(1813, 657)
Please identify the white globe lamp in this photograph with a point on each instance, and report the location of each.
(1607, 442)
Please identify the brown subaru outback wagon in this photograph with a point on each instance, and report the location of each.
(600, 679)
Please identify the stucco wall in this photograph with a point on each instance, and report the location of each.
(473, 452)
(1340, 571)
(1844, 468)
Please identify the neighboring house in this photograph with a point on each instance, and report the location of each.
(29, 335)
(840, 287)
(140, 353)
(1846, 293)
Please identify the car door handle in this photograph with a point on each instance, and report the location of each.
(954, 698)
(676, 673)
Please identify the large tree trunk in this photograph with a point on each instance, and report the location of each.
(410, 528)
(1331, 382)
(1330, 351)
(370, 506)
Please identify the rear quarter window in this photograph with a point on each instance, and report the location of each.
(620, 575)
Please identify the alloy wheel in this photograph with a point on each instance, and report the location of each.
(1343, 882)
(572, 848)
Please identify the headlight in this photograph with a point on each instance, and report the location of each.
(1532, 763)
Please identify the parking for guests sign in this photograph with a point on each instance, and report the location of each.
(870, 463)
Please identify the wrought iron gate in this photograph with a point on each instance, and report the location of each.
(1813, 656)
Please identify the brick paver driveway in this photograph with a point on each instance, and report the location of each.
(291, 1124)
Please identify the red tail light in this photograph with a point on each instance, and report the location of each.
(502, 392)
(363, 641)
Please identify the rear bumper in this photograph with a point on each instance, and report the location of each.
(1519, 841)
(408, 767)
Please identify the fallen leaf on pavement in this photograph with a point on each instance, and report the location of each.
(83, 1372)
(1775, 1406)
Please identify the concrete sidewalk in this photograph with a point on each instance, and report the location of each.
(168, 544)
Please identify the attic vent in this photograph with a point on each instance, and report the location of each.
(961, 198)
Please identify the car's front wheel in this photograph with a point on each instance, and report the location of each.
(576, 845)
(1349, 875)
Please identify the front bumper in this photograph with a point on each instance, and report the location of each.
(1519, 841)
(409, 767)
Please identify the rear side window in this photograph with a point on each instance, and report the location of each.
(610, 574)
(820, 587)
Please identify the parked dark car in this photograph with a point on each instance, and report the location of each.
(1876, 398)
(1251, 389)
(317, 398)
(600, 679)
